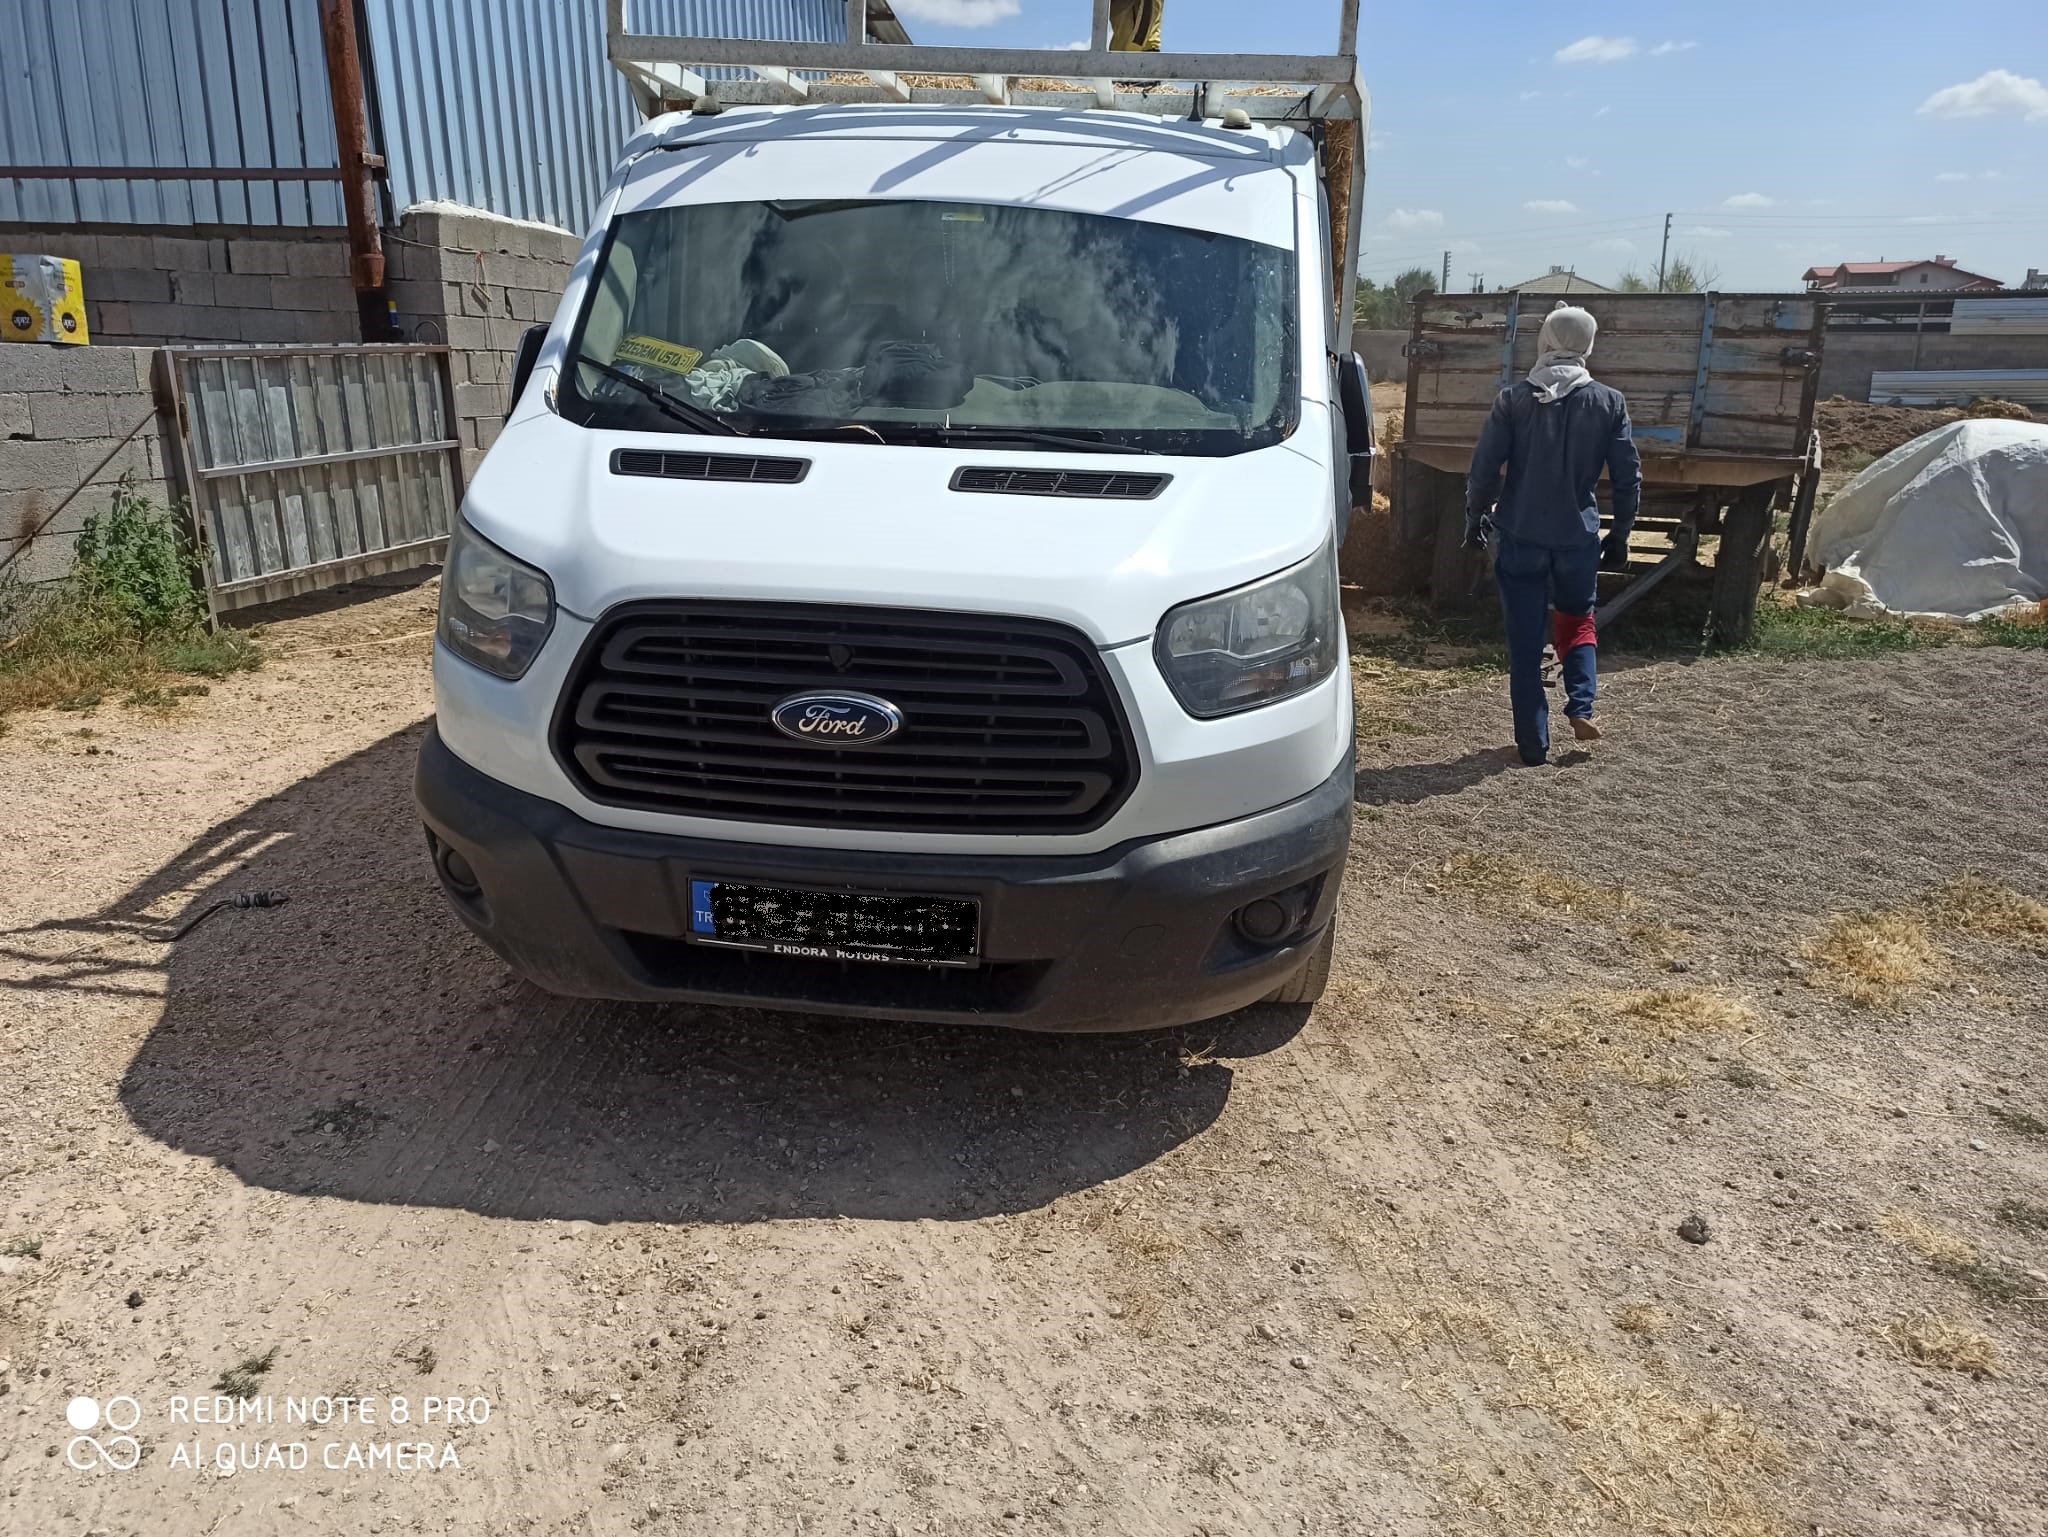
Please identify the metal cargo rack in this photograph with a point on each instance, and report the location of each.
(1720, 389)
(1321, 93)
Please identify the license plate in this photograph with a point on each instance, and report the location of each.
(836, 925)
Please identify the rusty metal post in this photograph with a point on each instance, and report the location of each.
(352, 134)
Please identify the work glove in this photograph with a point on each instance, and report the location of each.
(1478, 530)
(1614, 551)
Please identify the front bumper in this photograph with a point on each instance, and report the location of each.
(1131, 938)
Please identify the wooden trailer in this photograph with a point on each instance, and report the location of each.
(1720, 388)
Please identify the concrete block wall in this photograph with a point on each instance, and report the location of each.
(476, 282)
(1848, 358)
(1381, 351)
(73, 421)
(146, 285)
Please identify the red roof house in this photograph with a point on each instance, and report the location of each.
(1881, 277)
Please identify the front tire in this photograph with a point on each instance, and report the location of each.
(1307, 984)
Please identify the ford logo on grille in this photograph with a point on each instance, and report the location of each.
(837, 720)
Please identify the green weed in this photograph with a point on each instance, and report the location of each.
(1783, 630)
(128, 616)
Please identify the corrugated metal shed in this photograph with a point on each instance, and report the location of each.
(1959, 386)
(2000, 317)
(506, 105)
(169, 83)
(511, 105)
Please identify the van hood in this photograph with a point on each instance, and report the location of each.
(879, 525)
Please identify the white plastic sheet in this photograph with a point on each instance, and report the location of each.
(1953, 525)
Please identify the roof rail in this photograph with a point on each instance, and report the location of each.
(666, 72)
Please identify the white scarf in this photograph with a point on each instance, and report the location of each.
(1557, 374)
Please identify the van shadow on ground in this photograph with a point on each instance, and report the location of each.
(357, 1043)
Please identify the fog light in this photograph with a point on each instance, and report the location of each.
(458, 872)
(1264, 922)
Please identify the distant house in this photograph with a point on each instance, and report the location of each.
(1558, 280)
(1941, 273)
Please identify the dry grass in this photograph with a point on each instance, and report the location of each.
(1948, 1344)
(1987, 407)
(1675, 1013)
(1637, 1457)
(1620, 1032)
(1659, 940)
(1983, 907)
(1499, 881)
(1875, 959)
(1911, 1231)
(1644, 1318)
(1139, 1253)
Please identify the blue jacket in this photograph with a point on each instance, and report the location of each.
(1554, 455)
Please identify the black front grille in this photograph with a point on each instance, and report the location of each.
(735, 467)
(1010, 725)
(1108, 485)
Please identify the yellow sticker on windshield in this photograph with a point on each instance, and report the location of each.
(652, 352)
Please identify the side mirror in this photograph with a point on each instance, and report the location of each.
(522, 363)
(1354, 396)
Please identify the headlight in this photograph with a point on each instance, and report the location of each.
(1256, 645)
(495, 611)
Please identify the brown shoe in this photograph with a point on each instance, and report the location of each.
(1584, 729)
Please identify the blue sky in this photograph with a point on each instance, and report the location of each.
(1781, 135)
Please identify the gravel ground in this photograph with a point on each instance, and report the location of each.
(1409, 1263)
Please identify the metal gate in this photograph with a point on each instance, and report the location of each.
(308, 467)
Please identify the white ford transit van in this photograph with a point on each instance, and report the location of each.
(906, 583)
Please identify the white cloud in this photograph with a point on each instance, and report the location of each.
(1706, 232)
(1081, 47)
(1596, 50)
(1530, 95)
(1971, 176)
(1749, 200)
(1603, 112)
(1408, 220)
(1577, 162)
(1550, 205)
(1620, 244)
(958, 13)
(1994, 91)
(1664, 49)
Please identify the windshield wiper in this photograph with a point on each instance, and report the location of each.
(986, 433)
(681, 410)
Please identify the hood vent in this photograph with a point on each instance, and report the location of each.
(735, 467)
(1101, 484)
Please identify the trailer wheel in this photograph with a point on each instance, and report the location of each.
(1739, 565)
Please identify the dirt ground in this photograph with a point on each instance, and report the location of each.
(1857, 432)
(1410, 1263)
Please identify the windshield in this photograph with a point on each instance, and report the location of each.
(937, 322)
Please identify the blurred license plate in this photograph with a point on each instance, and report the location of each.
(836, 925)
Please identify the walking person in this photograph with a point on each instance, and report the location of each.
(1553, 432)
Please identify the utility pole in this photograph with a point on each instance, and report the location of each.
(1663, 252)
(1446, 286)
(1478, 281)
